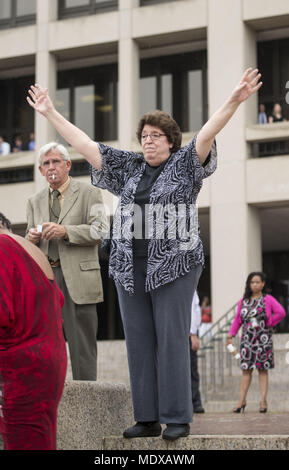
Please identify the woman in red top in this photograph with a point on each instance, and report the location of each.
(206, 310)
(32, 348)
(206, 318)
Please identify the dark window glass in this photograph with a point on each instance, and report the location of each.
(17, 117)
(76, 3)
(25, 7)
(148, 94)
(88, 97)
(62, 104)
(4, 103)
(17, 12)
(178, 85)
(70, 8)
(195, 101)
(5, 9)
(167, 93)
(274, 66)
(152, 2)
(17, 175)
(276, 266)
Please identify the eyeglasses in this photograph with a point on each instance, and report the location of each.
(153, 136)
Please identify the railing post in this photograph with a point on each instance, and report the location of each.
(208, 345)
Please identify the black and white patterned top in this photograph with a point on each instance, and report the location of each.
(177, 186)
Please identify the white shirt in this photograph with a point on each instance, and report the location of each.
(196, 315)
(4, 148)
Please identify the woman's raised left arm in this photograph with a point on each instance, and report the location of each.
(248, 85)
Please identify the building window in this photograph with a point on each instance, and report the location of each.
(274, 66)
(88, 98)
(152, 2)
(178, 85)
(17, 13)
(16, 117)
(71, 8)
(17, 175)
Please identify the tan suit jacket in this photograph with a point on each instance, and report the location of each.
(79, 254)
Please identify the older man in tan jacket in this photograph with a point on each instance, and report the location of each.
(67, 222)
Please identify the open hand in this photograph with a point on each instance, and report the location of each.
(248, 85)
(39, 99)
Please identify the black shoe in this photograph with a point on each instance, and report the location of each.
(198, 409)
(241, 409)
(143, 429)
(263, 409)
(174, 431)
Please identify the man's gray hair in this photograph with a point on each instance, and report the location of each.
(53, 146)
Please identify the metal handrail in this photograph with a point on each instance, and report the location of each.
(214, 355)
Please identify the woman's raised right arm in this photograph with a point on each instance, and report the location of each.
(41, 102)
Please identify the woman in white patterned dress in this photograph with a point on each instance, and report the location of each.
(257, 313)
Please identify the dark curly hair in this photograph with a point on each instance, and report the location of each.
(4, 222)
(248, 291)
(164, 122)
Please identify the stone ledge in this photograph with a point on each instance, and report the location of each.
(89, 411)
(225, 442)
(236, 442)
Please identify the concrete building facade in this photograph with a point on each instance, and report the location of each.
(131, 48)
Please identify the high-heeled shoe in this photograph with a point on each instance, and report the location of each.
(263, 409)
(241, 409)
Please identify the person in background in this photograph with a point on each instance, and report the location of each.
(18, 145)
(31, 145)
(4, 147)
(257, 313)
(206, 317)
(276, 115)
(69, 214)
(195, 345)
(33, 356)
(262, 116)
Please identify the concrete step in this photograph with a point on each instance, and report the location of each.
(231, 388)
(112, 363)
(225, 406)
(211, 431)
(89, 411)
(279, 373)
(281, 341)
(219, 431)
(196, 442)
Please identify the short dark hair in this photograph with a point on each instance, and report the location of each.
(164, 122)
(4, 222)
(248, 291)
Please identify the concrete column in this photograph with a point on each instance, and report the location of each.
(128, 76)
(235, 227)
(46, 71)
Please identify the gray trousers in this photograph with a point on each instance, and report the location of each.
(157, 329)
(80, 329)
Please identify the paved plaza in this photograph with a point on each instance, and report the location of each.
(241, 424)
